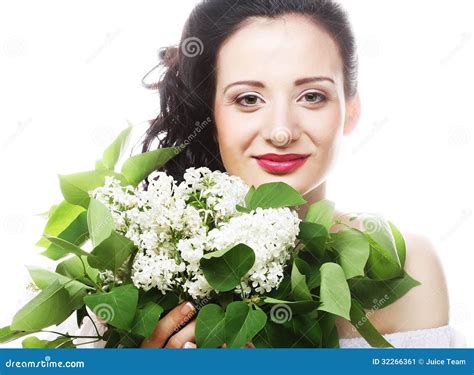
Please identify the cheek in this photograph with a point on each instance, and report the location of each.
(324, 127)
(233, 137)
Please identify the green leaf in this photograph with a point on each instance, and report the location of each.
(299, 288)
(383, 262)
(76, 233)
(242, 323)
(307, 331)
(116, 307)
(248, 196)
(210, 327)
(76, 187)
(138, 167)
(353, 249)
(335, 294)
(381, 293)
(292, 307)
(321, 212)
(73, 268)
(66, 247)
(7, 334)
(81, 313)
(327, 321)
(63, 215)
(275, 335)
(314, 236)
(47, 214)
(60, 342)
(242, 209)
(114, 151)
(146, 319)
(76, 290)
(112, 338)
(225, 268)
(332, 340)
(360, 321)
(99, 222)
(274, 195)
(50, 306)
(313, 277)
(168, 301)
(379, 265)
(399, 244)
(283, 291)
(111, 253)
(129, 339)
(99, 165)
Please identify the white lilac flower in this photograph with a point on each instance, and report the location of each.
(219, 191)
(271, 233)
(174, 225)
(107, 278)
(150, 270)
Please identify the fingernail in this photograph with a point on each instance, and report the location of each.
(187, 308)
(189, 345)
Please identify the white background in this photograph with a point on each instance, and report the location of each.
(70, 78)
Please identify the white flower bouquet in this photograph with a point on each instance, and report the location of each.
(256, 272)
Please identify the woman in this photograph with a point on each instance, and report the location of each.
(275, 85)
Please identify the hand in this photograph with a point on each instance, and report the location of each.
(173, 330)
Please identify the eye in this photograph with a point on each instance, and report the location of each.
(248, 100)
(314, 97)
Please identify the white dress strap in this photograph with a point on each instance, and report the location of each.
(440, 337)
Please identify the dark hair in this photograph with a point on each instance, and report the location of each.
(187, 86)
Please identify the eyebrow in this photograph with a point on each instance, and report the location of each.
(298, 82)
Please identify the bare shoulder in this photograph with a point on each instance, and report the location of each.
(426, 305)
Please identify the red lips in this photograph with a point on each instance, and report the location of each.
(281, 163)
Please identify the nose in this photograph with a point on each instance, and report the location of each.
(281, 125)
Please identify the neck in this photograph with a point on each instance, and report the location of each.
(311, 197)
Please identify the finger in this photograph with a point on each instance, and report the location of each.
(189, 345)
(170, 323)
(187, 334)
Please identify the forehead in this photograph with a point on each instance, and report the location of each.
(276, 49)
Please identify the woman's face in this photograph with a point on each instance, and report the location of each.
(279, 108)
